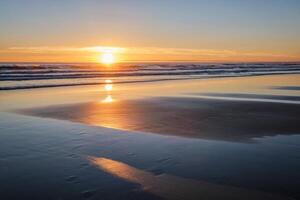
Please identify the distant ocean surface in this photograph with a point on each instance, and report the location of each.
(25, 75)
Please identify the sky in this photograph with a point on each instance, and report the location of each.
(150, 30)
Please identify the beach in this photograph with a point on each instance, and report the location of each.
(196, 138)
(149, 100)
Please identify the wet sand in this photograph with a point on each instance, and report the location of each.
(186, 117)
(228, 138)
(172, 187)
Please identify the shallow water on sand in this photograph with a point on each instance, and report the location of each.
(48, 159)
(242, 149)
(185, 116)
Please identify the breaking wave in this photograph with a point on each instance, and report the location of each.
(25, 76)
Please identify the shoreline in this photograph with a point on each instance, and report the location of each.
(59, 141)
(136, 81)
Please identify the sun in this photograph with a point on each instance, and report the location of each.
(107, 58)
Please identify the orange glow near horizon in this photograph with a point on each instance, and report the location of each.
(108, 55)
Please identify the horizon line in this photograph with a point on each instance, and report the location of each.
(148, 61)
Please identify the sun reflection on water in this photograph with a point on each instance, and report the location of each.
(108, 87)
(108, 99)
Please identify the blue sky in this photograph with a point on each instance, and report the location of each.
(240, 25)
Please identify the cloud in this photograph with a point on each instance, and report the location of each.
(150, 53)
(100, 49)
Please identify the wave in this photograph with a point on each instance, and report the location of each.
(25, 76)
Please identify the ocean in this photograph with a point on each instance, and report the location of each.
(38, 75)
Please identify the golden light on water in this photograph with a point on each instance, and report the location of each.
(108, 87)
(174, 187)
(108, 99)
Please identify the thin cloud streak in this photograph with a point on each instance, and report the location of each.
(148, 53)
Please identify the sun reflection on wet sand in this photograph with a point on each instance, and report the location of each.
(173, 187)
(108, 87)
(108, 99)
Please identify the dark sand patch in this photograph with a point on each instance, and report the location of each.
(253, 96)
(186, 117)
(287, 88)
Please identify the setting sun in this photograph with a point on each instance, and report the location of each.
(107, 58)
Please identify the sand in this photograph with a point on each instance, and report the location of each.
(153, 140)
(185, 117)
